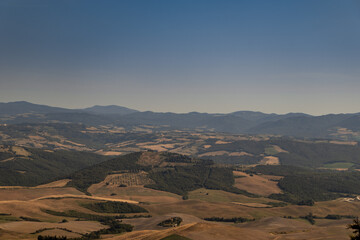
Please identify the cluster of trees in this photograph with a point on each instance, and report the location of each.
(303, 154)
(91, 217)
(115, 227)
(84, 178)
(173, 157)
(234, 219)
(304, 186)
(355, 226)
(310, 217)
(320, 186)
(183, 179)
(114, 207)
(175, 237)
(315, 154)
(40, 237)
(336, 216)
(80, 215)
(171, 222)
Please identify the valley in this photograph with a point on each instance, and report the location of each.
(89, 179)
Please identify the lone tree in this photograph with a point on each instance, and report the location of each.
(355, 226)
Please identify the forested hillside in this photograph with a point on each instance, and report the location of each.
(30, 167)
(189, 175)
(304, 185)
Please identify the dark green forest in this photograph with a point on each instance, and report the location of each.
(42, 166)
(114, 207)
(181, 180)
(94, 174)
(302, 186)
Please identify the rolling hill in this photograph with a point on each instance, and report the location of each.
(30, 167)
(335, 126)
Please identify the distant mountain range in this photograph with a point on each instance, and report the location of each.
(111, 109)
(347, 126)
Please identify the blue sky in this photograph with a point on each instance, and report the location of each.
(184, 55)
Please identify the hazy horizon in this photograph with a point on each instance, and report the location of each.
(149, 110)
(183, 56)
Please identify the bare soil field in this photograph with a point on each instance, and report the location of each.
(297, 229)
(152, 223)
(30, 209)
(219, 196)
(109, 153)
(55, 184)
(279, 149)
(9, 235)
(149, 159)
(136, 193)
(254, 205)
(31, 227)
(269, 224)
(198, 231)
(25, 194)
(256, 184)
(126, 179)
(270, 160)
(239, 154)
(217, 153)
(344, 143)
(59, 232)
(20, 151)
(201, 209)
(273, 228)
(114, 199)
(221, 142)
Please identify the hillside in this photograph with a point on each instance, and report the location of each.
(29, 167)
(169, 172)
(111, 109)
(158, 186)
(180, 174)
(333, 126)
(22, 107)
(303, 186)
(219, 147)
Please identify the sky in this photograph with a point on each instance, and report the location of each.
(183, 55)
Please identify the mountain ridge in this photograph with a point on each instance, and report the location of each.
(244, 122)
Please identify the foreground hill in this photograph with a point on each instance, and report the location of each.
(127, 197)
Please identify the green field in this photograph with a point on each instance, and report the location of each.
(215, 196)
(270, 151)
(7, 218)
(339, 165)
